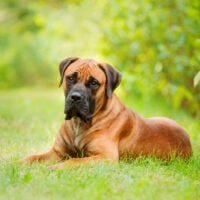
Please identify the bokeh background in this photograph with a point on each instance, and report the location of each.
(154, 43)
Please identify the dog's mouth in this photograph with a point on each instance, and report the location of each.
(83, 110)
(82, 113)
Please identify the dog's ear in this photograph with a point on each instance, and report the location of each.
(63, 66)
(113, 78)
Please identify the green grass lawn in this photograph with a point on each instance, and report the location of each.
(29, 120)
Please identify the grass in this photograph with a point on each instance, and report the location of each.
(29, 120)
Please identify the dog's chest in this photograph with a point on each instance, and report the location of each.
(78, 131)
(77, 139)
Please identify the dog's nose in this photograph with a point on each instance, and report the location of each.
(75, 96)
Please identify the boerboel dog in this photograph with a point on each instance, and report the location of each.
(98, 126)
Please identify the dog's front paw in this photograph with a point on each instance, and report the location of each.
(28, 160)
(57, 166)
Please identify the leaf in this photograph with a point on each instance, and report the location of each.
(196, 79)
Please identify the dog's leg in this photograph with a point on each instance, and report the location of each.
(80, 161)
(107, 152)
(60, 150)
(76, 162)
(50, 155)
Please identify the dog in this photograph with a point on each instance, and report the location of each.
(98, 126)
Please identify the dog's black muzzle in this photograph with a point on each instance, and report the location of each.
(79, 103)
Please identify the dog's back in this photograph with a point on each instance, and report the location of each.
(160, 137)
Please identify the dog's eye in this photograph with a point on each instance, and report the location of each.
(93, 84)
(72, 78)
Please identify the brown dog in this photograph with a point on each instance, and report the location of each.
(99, 126)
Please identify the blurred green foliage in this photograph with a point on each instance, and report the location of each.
(157, 43)
(154, 43)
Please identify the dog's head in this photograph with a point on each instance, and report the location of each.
(87, 85)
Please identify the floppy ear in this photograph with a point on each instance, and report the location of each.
(63, 66)
(113, 78)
